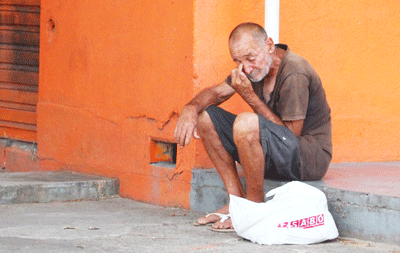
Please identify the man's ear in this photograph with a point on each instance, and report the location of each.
(269, 43)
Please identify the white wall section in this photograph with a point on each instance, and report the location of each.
(272, 19)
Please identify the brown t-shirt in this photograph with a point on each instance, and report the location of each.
(298, 94)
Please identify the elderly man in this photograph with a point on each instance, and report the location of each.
(287, 137)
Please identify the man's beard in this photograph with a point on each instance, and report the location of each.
(264, 72)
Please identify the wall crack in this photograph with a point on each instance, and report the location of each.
(160, 124)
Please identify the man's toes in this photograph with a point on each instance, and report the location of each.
(206, 220)
(217, 225)
(223, 225)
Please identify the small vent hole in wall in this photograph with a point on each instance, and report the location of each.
(163, 154)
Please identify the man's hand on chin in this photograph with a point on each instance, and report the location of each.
(242, 84)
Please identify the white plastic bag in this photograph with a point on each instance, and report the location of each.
(297, 214)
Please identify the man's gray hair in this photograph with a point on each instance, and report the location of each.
(256, 30)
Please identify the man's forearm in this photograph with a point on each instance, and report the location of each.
(259, 107)
(211, 96)
(203, 99)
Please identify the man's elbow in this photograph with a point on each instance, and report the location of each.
(295, 126)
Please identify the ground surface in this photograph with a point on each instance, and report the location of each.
(122, 225)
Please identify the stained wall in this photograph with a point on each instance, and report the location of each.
(114, 76)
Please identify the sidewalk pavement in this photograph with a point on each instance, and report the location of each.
(122, 225)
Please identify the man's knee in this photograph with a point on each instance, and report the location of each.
(204, 122)
(246, 127)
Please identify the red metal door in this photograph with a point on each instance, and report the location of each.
(19, 68)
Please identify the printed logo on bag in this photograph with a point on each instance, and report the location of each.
(310, 222)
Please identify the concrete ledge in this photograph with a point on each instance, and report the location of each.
(364, 199)
(43, 187)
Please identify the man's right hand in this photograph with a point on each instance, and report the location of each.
(242, 84)
(186, 126)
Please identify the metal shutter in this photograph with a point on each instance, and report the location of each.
(19, 68)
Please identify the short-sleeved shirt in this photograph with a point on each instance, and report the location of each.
(298, 95)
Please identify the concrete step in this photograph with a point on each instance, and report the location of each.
(364, 198)
(43, 187)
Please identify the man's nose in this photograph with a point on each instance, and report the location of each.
(247, 68)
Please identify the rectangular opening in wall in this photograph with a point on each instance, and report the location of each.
(163, 153)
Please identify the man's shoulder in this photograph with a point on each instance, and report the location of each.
(289, 54)
(293, 63)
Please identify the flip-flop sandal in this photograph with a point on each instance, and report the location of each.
(223, 217)
(223, 230)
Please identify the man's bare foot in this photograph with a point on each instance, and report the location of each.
(227, 224)
(212, 218)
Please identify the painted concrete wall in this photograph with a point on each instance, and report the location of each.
(113, 77)
(353, 45)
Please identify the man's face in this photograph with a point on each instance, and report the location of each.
(253, 55)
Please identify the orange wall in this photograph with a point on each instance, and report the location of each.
(115, 74)
(354, 47)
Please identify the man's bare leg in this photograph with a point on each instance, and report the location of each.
(246, 134)
(223, 162)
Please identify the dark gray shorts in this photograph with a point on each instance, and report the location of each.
(280, 146)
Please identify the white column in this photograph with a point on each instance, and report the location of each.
(272, 19)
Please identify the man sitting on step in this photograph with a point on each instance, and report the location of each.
(287, 137)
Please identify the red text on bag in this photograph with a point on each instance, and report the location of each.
(310, 222)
